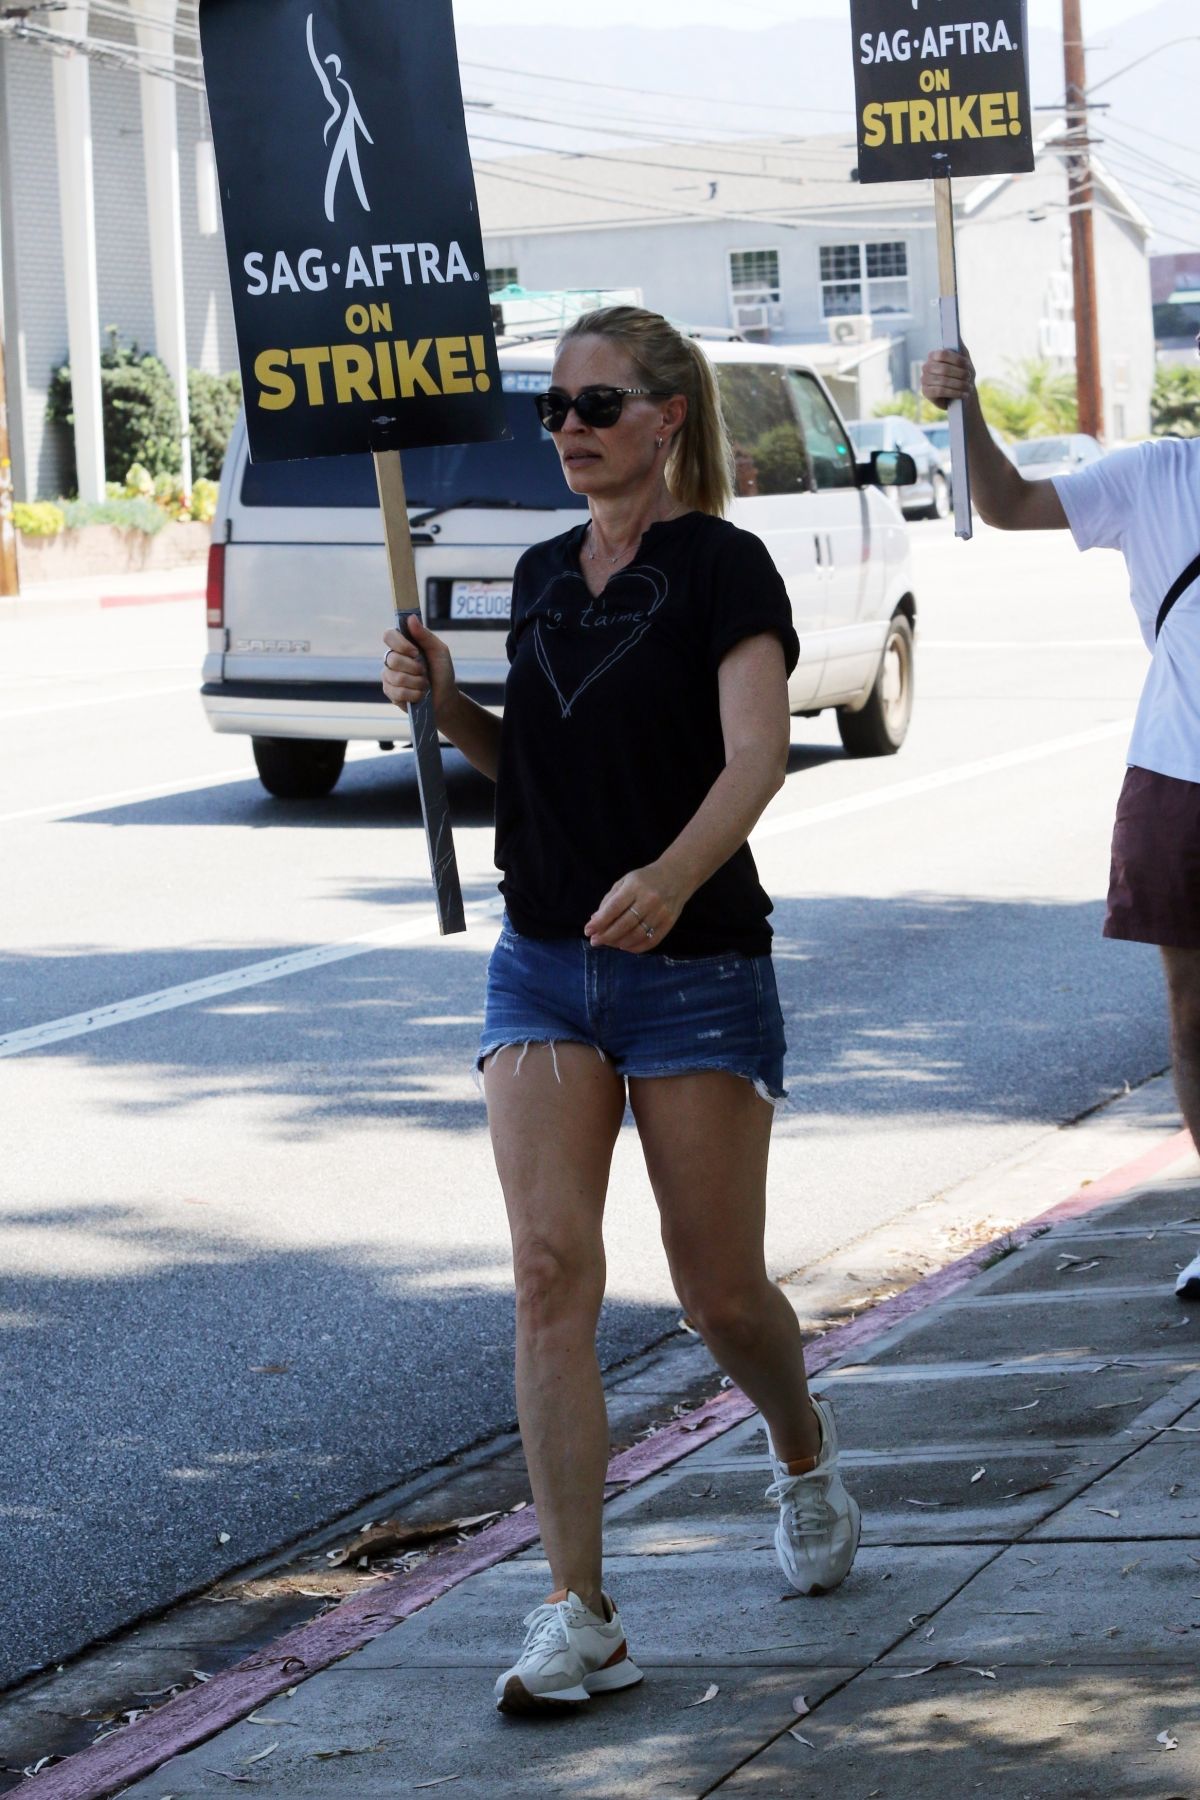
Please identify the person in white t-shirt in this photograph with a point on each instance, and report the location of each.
(1145, 502)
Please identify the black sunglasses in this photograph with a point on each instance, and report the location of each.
(599, 406)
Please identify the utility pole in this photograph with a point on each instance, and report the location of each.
(9, 582)
(1083, 246)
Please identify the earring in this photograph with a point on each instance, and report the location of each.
(658, 443)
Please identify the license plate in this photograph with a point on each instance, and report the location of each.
(488, 600)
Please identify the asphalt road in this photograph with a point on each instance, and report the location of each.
(255, 1261)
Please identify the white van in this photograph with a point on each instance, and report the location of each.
(299, 594)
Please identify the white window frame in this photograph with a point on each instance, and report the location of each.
(865, 282)
(754, 296)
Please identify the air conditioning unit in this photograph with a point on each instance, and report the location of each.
(754, 317)
(854, 328)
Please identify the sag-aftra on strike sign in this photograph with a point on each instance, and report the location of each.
(941, 78)
(355, 256)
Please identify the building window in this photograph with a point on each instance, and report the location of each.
(864, 278)
(754, 276)
(500, 278)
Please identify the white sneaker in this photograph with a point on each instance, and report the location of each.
(1188, 1285)
(570, 1653)
(819, 1522)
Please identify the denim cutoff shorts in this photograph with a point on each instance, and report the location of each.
(647, 1015)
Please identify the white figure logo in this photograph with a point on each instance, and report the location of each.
(345, 148)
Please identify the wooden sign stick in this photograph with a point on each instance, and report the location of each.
(431, 778)
(943, 203)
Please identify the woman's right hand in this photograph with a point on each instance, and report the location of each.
(416, 667)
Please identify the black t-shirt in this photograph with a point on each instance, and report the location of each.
(611, 737)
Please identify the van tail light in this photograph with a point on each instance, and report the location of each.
(216, 586)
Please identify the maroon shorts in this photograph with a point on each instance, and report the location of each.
(1154, 887)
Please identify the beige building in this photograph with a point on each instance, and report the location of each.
(777, 240)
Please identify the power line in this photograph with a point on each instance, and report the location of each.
(659, 93)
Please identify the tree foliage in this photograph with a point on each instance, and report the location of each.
(911, 406)
(1175, 403)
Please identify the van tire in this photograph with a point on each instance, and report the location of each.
(942, 503)
(298, 768)
(881, 726)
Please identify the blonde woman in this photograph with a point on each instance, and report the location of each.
(645, 729)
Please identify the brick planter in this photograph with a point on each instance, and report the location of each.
(105, 550)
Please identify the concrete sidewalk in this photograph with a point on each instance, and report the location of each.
(1023, 1618)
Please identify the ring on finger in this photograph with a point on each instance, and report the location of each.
(648, 929)
(637, 915)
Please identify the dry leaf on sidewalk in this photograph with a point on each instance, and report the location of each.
(1167, 1741)
(978, 1476)
(794, 1731)
(256, 1718)
(440, 1782)
(712, 1693)
(393, 1534)
(800, 1706)
(226, 1775)
(911, 1674)
(260, 1754)
(348, 1750)
(1110, 1512)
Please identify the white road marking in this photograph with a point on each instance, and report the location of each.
(188, 993)
(155, 790)
(99, 802)
(65, 675)
(61, 706)
(941, 778)
(1125, 643)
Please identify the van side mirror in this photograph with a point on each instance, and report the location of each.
(892, 468)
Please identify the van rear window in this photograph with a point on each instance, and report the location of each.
(519, 471)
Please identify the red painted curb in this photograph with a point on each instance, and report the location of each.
(192, 1717)
(147, 599)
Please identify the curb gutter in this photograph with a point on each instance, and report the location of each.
(190, 1718)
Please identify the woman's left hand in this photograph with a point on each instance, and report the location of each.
(638, 911)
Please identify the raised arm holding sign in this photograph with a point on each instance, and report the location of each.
(356, 263)
(943, 91)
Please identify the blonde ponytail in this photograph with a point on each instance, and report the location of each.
(699, 470)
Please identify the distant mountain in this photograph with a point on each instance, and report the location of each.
(633, 84)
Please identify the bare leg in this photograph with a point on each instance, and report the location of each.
(1183, 987)
(553, 1126)
(706, 1138)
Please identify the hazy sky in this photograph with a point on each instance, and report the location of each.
(1098, 15)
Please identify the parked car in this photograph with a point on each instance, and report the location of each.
(1041, 458)
(939, 436)
(299, 592)
(931, 495)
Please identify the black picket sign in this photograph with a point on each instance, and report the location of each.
(351, 225)
(941, 78)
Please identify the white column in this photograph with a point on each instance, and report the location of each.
(155, 24)
(73, 125)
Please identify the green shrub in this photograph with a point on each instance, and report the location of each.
(1175, 403)
(38, 518)
(141, 417)
(127, 515)
(213, 402)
